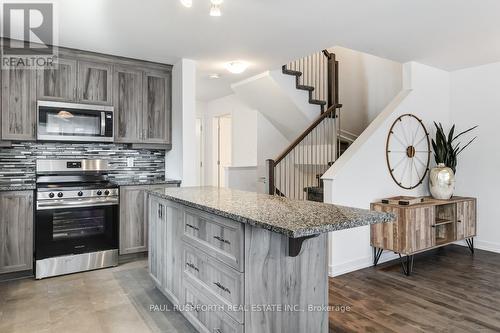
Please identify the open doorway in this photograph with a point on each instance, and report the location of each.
(222, 152)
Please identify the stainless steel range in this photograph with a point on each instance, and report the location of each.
(76, 227)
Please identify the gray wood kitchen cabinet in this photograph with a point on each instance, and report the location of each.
(18, 104)
(16, 231)
(58, 84)
(95, 82)
(164, 246)
(127, 96)
(133, 217)
(157, 104)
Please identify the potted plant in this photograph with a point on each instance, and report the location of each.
(446, 151)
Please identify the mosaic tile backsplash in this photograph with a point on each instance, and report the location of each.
(17, 163)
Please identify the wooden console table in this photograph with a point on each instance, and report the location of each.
(424, 226)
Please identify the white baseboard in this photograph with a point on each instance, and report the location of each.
(357, 264)
(354, 265)
(483, 245)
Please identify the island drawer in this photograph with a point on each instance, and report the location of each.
(223, 284)
(205, 316)
(219, 237)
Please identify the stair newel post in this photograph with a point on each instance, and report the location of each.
(270, 177)
(331, 78)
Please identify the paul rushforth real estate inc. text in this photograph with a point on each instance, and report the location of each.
(250, 308)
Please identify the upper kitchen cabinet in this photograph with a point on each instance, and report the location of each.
(58, 84)
(95, 82)
(18, 104)
(157, 104)
(127, 92)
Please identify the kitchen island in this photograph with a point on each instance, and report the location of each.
(235, 261)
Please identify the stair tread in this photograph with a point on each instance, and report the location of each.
(317, 101)
(291, 72)
(304, 87)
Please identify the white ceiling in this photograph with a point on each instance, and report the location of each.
(449, 34)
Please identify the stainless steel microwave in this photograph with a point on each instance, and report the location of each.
(58, 121)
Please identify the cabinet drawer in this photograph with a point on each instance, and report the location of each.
(223, 284)
(219, 237)
(206, 317)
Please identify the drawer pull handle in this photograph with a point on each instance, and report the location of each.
(217, 330)
(222, 287)
(192, 227)
(188, 264)
(220, 239)
(459, 221)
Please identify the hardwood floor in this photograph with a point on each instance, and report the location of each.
(449, 291)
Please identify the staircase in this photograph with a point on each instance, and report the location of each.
(296, 172)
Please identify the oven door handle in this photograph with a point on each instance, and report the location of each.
(63, 204)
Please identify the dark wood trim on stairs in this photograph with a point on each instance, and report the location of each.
(327, 114)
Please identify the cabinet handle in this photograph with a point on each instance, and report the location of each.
(217, 330)
(433, 226)
(160, 211)
(188, 264)
(192, 227)
(459, 221)
(218, 284)
(220, 239)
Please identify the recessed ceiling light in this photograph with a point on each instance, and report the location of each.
(214, 76)
(187, 3)
(217, 2)
(236, 67)
(215, 10)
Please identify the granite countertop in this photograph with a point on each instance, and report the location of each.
(27, 187)
(126, 182)
(293, 218)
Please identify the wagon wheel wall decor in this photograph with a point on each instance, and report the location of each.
(408, 151)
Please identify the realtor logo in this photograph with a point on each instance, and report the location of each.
(29, 32)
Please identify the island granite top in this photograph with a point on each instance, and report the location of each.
(292, 218)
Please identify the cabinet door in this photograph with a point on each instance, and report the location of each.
(16, 231)
(58, 84)
(466, 219)
(95, 83)
(417, 232)
(154, 227)
(127, 95)
(157, 107)
(18, 104)
(133, 231)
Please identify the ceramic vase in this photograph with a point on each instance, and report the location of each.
(441, 182)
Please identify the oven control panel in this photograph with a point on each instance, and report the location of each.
(68, 194)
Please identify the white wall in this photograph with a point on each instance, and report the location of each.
(241, 178)
(180, 162)
(244, 134)
(475, 100)
(366, 85)
(361, 176)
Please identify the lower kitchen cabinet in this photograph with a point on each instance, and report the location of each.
(16, 231)
(133, 217)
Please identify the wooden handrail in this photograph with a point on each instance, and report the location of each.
(326, 114)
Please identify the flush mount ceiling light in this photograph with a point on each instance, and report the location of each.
(215, 6)
(214, 76)
(215, 10)
(236, 67)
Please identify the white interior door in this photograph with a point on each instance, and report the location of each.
(222, 152)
